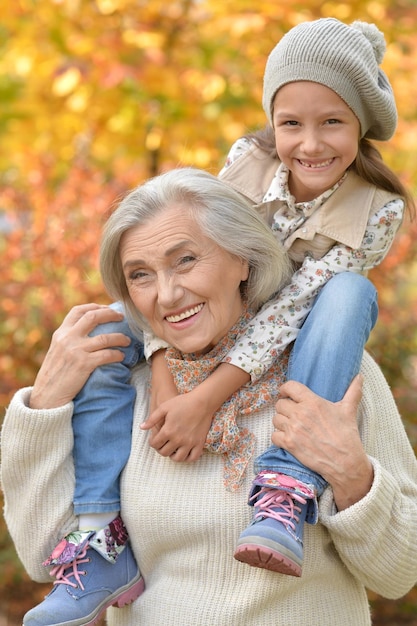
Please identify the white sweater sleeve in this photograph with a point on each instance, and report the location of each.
(377, 537)
(37, 475)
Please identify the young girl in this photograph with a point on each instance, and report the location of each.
(323, 188)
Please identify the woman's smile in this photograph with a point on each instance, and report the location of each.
(175, 318)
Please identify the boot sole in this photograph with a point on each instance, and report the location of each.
(267, 558)
(126, 597)
(120, 598)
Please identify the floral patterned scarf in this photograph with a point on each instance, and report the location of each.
(225, 436)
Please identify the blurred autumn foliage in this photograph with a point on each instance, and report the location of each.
(97, 95)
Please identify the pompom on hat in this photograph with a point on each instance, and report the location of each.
(344, 58)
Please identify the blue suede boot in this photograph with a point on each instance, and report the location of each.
(93, 571)
(274, 539)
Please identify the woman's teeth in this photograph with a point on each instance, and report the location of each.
(183, 316)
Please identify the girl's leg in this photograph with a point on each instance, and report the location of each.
(328, 351)
(326, 356)
(102, 425)
(99, 551)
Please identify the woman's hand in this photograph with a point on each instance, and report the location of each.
(324, 436)
(73, 355)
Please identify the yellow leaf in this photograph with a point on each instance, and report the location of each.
(66, 82)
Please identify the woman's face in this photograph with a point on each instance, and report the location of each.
(184, 284)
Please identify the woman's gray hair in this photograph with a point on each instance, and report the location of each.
(222, 214)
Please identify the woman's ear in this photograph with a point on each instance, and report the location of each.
(245, 270)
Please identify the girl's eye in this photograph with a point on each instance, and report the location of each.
(291, 123)
(332, 121)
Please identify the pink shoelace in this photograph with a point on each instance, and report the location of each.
(279, 505)
(63, 579)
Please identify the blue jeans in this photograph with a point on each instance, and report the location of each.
(102, 426)
(327, 355)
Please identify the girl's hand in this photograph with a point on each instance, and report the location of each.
(179, 427)
(73, 355)
(324, 436)
(180, 423)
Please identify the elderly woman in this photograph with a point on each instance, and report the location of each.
(192, 262)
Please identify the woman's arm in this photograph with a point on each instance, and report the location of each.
(325, 436)
(370, 508)
(377, 537)
(37, 469)
(37, 476)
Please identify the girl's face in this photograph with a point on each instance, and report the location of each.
(185, 285)
(316, 135)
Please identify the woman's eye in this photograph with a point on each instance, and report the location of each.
(188, 258)
(138, 275)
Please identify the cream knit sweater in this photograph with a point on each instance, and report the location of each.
(184, 525)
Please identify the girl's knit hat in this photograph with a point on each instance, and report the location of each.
(343, 58)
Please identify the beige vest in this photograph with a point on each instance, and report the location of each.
(341, 219)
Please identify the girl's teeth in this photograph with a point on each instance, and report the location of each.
(316, 165)
(183, 316)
